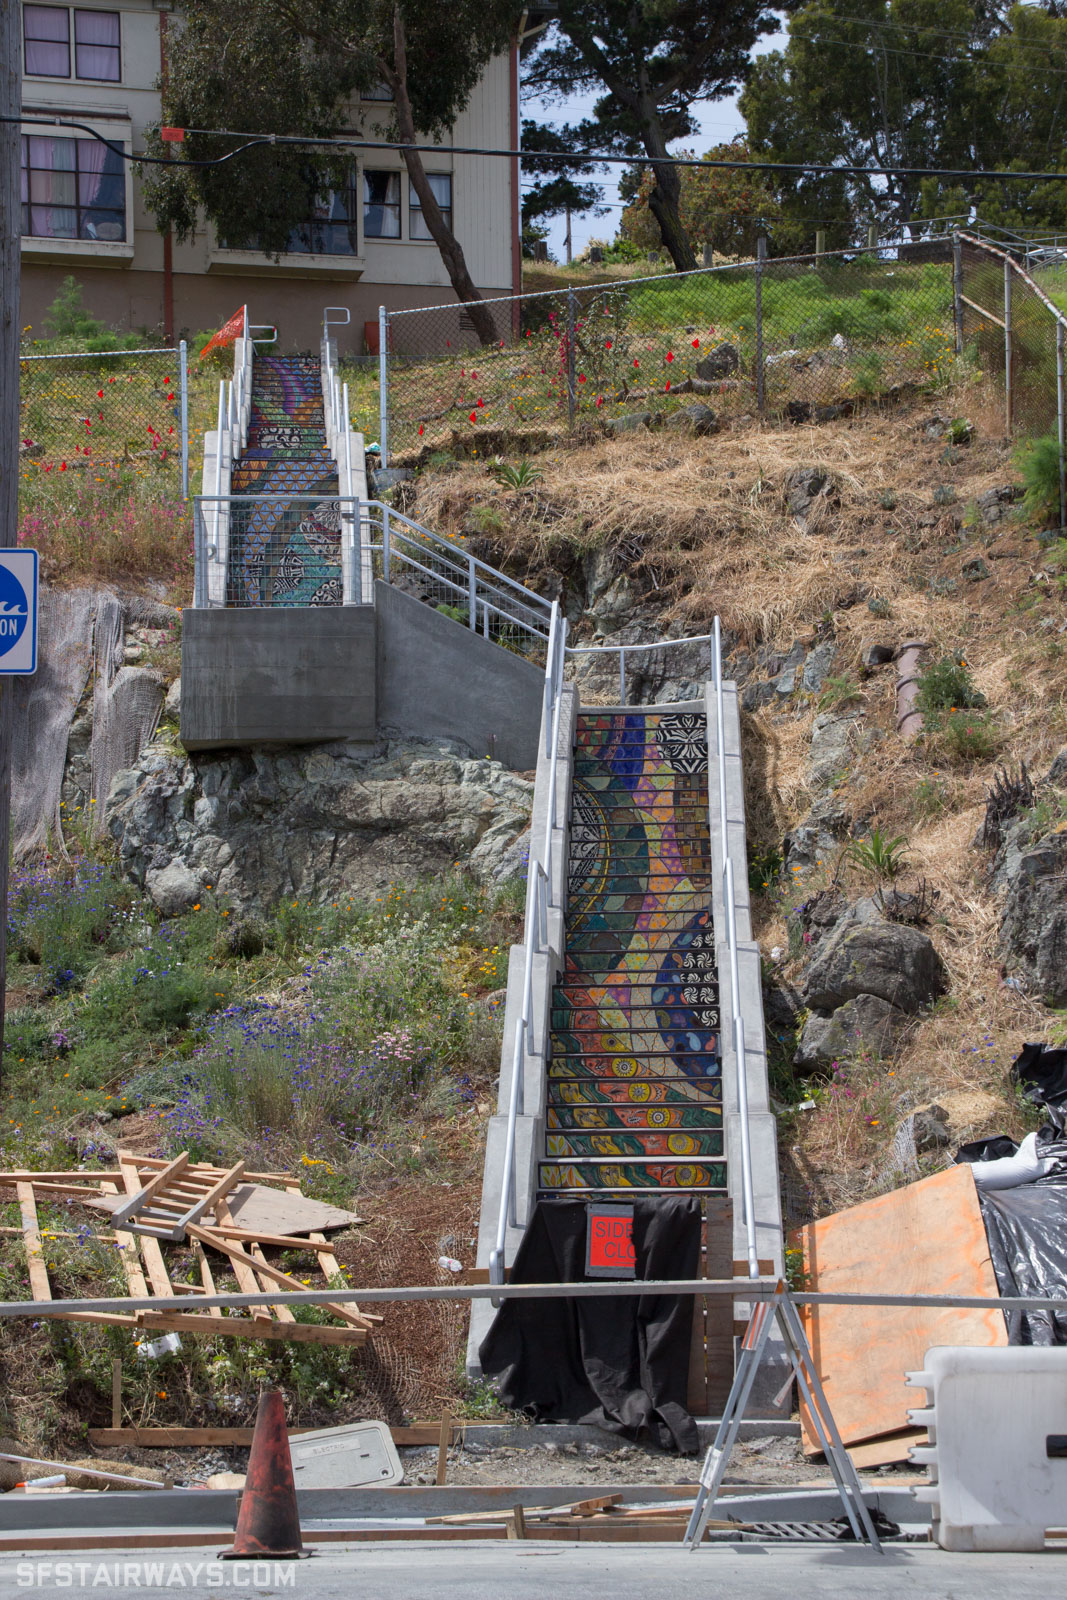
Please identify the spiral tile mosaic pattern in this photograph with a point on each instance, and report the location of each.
(635, 1087)
(286, 554)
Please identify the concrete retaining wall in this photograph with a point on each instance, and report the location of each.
(273, 674)
(439, 680)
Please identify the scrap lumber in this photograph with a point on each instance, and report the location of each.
(123, 1480)
(927, 1238)
(154, 1201)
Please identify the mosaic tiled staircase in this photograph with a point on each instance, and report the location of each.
(635, 1088)
(286, 554)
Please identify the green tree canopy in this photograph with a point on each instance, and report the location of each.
(955, 84)
(557, 184)
(720, 208)
(654, 59)
(275, 66)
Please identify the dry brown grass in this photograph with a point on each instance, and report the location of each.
(700, 527)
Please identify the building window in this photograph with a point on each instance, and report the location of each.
(72, 189)
(381, 205)
(46, 35)
(97, 44)
(332, 229)
(441, 184)
(97, 52)
(381, 91)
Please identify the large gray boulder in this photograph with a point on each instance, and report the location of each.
(898, 964)
(863, 1024)
(1033, 926)
(313, 821)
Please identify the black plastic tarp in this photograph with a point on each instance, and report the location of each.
(1027, 1233)
(621, 1363)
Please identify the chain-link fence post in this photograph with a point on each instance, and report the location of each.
(761, 256)
(183, 368)
(570, 357)
(383, 385)
(957, 292)
(1007, 348)
(1060, 425)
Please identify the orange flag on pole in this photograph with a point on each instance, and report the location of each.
(231, 330)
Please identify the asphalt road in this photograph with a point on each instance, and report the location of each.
(557, 1572)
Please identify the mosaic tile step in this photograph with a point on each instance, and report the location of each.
(589, 1021)
(635, 991)
(622, 922)
(587, 965)
(705, 1116)
(646, 1092)
(627, 1175)
(661, 874)
(679, 1146)
(605, 942)
(591, 911)
(621, 1064)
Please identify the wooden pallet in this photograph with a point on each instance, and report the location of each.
(152, 1203)
(175, 1198)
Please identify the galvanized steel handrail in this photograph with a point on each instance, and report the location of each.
(623, 650)
(738, 1021)
(538, 904)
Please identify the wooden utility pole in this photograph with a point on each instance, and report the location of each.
(10, 232)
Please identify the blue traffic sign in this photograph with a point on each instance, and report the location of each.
(18, 612)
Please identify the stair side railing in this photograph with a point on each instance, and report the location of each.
(539, 902)
(495, 605)
(736, 1019)
(347, 452)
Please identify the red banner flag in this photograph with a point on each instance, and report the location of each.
(234, 329)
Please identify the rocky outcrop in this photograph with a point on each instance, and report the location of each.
(867, 978)
(1033, 926)
(312, 821)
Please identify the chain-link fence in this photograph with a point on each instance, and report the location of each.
(104, 413)
(1009, 324)
(805, 338)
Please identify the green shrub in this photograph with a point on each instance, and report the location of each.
(879, 855)
(968, 735)
(947, 685)
(1039, 463)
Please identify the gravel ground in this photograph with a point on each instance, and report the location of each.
(768, 1460)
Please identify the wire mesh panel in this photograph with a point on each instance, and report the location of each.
(1009, 332)
(781, 337)
(104, 413)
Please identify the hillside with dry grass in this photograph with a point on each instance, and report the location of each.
(897, 524)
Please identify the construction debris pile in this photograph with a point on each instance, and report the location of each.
(221, 1219)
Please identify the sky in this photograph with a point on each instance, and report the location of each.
(718, 121)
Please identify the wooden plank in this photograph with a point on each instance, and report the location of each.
(927, 1238)
(517, 1523)
(247, 1281)
(696, 1395)
(718, 1319)
(116, 1393)
(887, 1452)
(271, 1211)
(242, 1327)
(153, 1163)
(282, 1311)
(152, 1255)
(140, 1198)
(219, 1241)
(206, 1276)
(131, 1261)
(40, 1287)
(235, 1438)
(444, 1438)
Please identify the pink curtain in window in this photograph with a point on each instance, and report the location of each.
(92, 31)
(91, 157)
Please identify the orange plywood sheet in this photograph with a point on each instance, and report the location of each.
(928, 1238)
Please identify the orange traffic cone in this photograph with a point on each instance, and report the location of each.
(268, 1522)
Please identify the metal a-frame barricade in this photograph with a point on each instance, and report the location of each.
(765, 1314)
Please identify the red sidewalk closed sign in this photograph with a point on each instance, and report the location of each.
(610, 1249)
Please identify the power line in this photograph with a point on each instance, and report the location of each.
(582, 157)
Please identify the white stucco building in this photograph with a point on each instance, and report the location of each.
(83, 212)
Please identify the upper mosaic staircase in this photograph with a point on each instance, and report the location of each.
(634, 1094)
(286, 554)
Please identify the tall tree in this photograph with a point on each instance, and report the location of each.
(279, 66)
(557, 184)
(721, 208)
(655, 59)
(957, 84)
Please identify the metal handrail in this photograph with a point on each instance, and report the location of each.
(622, 649)
(538, 905)
(737, 1019)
